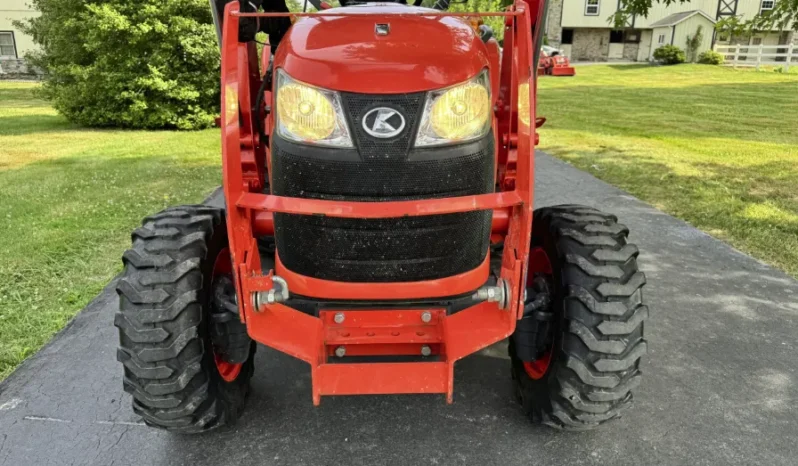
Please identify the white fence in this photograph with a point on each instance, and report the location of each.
(757, 55)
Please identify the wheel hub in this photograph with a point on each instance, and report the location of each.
(533, 338)
(229, 338)
(227, 370)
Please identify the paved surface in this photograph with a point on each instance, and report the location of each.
(719, 384)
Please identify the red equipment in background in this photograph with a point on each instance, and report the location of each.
(557, 65)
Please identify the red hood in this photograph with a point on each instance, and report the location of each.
(344, 53)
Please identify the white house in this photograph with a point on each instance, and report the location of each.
(582, 27)
(13, 43)
(675, 29)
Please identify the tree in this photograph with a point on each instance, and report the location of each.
(131, 64)
(693, 43)
(784, 15)
(496, 23)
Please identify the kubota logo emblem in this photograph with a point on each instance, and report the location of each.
(383, 122)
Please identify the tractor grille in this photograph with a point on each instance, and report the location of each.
(382, 250)
(357, 105)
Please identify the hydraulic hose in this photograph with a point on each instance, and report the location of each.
(267, 77)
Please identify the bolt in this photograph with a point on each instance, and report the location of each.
(425, 350)
(340, 351)
(426, 316)
(263, 298)
(494, 294)
(488, 293)
(258, 300)
(339, 318)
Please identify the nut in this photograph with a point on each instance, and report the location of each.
(339, 317)
(425, 350)
(340, 351)
(426, 317)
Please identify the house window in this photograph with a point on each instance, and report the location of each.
(7, 48)
(661, 39)
(591, 7)
(766, 5)
(616, 37)
(756, 41)
(567, 36)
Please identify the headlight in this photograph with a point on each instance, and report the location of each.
(456, 114)
(524, 112)
(309, 114)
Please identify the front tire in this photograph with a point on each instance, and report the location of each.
(586, 376)
(165, 320)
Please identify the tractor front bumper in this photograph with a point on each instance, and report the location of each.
(382, 330)
(328, 341)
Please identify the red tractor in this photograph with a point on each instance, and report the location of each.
(553, 63)
(378, 177)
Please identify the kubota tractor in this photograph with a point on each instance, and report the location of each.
(379, 225)
(554, 64)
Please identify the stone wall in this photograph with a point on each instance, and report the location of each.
(591, 44)
(16, 68)
(554, 23)
(630, 50)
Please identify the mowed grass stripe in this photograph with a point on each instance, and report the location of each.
(714, 146)
(69, 198)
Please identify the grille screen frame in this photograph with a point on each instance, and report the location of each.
(383, 250)
(356, 106)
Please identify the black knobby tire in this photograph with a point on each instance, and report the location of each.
(163, 323)
(597, 339)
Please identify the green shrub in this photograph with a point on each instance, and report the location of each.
(131, 64)
(710, 57)
(669, 55)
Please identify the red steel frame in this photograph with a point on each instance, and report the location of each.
(378, 331)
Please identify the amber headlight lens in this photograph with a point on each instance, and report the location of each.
(523, 103)
(309, 114)
(460, 113)
(305, 112)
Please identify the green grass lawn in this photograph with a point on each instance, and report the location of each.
(713, 146)
(69, 198)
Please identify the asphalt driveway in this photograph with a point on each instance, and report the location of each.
(719, 383)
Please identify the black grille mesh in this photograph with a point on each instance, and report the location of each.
(357, 105)
(382, 180)
(383, 250)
